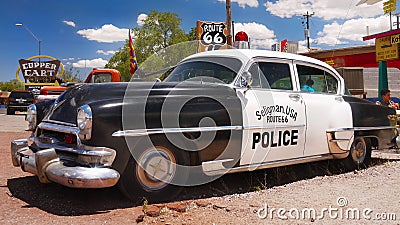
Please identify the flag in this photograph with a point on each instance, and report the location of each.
(132, 57)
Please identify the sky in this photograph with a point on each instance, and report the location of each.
(85, 34)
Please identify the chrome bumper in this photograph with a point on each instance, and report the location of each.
(47, 166)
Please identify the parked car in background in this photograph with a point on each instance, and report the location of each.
(103, 76)
(217, 112)
(50, 93)
(18, 101)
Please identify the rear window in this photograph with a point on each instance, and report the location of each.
(21, 94)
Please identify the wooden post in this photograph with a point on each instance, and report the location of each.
(229, 22)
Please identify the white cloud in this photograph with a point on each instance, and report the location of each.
(69, 23)
(141, 18)
(325, 9)
(260, 36)
(243, 3)
(105, 52)
(352, 30)
(93, 63)
(108, 33)
(68, 59)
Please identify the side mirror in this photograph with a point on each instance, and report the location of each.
(246, 79)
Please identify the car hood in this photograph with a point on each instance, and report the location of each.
(65, 107)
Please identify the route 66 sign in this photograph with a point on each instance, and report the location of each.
(212, 35)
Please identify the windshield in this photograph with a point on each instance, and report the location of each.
(101, 78)
(215, 70)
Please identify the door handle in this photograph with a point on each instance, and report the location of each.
(294, 97)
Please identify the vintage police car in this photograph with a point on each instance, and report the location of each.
(217, 112)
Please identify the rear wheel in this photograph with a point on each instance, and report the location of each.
(360, 154)
(155, 173)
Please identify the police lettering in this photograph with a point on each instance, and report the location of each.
(275, 138)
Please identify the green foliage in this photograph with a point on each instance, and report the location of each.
(11, 85)
(160, 30)
(120, 62)
(71, 76)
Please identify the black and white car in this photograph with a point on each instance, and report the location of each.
(217, 112)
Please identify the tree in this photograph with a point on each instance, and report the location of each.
(11, 85)
(120, 62)
(160, 30)
(70, 75)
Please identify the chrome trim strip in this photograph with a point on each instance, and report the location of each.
(143, 132)
(59, 128)
(62, 129)
(82, 150)
(212, 168)
(60, 122)
(343, 129)
(271, 127)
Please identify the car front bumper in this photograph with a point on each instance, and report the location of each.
(49, 168)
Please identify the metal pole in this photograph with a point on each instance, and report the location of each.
(229, 22)
(308, 29)
(33, 35)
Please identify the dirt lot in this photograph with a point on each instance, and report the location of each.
(273, 196)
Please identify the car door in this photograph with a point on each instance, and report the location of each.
(273, 114)
(325, 107)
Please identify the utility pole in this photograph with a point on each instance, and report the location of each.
(307, 30)
(229, 22)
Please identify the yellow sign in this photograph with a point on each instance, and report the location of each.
(385, 50)
(389, 6)
(395, 39)
(330, 62)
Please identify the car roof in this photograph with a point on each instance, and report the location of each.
(246, 54)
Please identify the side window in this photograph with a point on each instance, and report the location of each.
(254, 70)
(275, 75)
(313, 79)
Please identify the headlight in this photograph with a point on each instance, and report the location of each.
(31, 117)
(84, 122)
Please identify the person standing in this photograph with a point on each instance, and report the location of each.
(385, 101)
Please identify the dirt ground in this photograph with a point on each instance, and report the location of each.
(315, 193)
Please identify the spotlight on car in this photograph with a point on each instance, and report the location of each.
(31, 117)
(84, 122)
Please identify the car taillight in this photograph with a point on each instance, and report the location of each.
(8, 101)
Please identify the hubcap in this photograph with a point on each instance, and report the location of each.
(156, 167)
(358, 153)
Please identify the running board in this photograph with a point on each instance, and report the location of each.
(212, 168)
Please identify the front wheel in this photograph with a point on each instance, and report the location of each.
(155, 172)
(360, 154)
